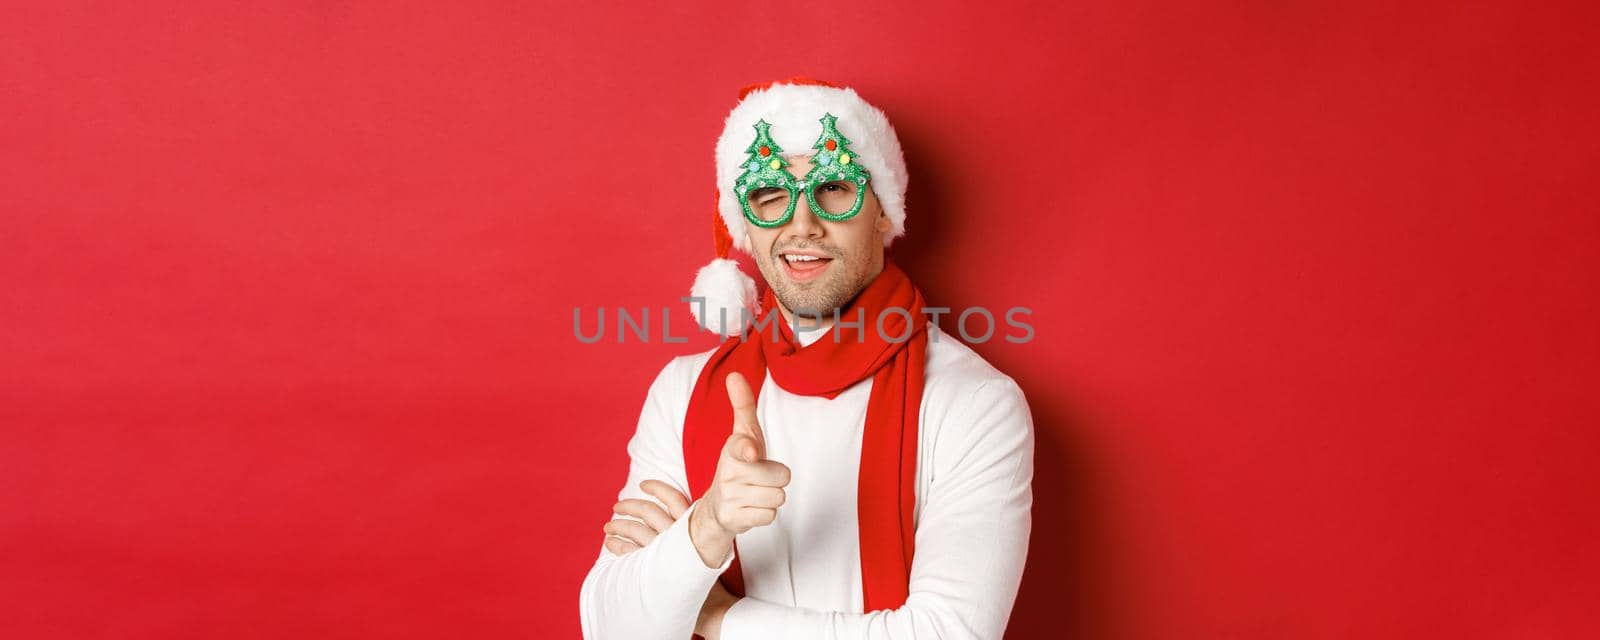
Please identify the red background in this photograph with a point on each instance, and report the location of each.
(286, 345)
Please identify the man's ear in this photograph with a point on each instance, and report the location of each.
(883, 222)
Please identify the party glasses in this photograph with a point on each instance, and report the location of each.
(835, 187)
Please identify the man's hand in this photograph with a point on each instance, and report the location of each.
(748, 488)
(624, 536)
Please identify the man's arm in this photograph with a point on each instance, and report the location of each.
(656, 591)
(971, 541)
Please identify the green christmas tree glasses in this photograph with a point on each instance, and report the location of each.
(835, 186)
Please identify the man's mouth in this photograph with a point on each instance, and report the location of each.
(804, 265)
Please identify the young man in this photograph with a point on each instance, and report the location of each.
(867, 476)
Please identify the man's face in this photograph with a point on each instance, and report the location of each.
(850, 252)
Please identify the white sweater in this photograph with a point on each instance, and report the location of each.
(802, 573)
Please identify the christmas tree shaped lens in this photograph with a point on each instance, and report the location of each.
(765, 190)
(841, 183)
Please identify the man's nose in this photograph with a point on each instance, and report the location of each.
(804, 224)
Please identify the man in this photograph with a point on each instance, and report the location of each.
(865, 476)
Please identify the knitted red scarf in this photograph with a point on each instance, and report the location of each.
(886, 492)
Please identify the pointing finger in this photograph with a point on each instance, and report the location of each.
(743, 401)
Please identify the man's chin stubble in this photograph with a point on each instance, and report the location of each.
(820, 292)
(822, 301)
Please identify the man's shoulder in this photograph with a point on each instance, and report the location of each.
(955, 370)
(667, 399)
(677, 376)
(970, 405)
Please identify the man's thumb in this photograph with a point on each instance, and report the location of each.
(748, 450)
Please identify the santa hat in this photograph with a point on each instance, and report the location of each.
(794, 108)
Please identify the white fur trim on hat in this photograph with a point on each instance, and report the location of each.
(795, 113)
(729, 297)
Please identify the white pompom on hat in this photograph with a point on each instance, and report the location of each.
(794, 108)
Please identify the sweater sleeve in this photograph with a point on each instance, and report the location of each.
(972, 541)
(656, 591)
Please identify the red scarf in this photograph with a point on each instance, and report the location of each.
(887, 481)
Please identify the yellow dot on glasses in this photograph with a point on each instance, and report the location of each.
(844, 158)
(774, 164)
